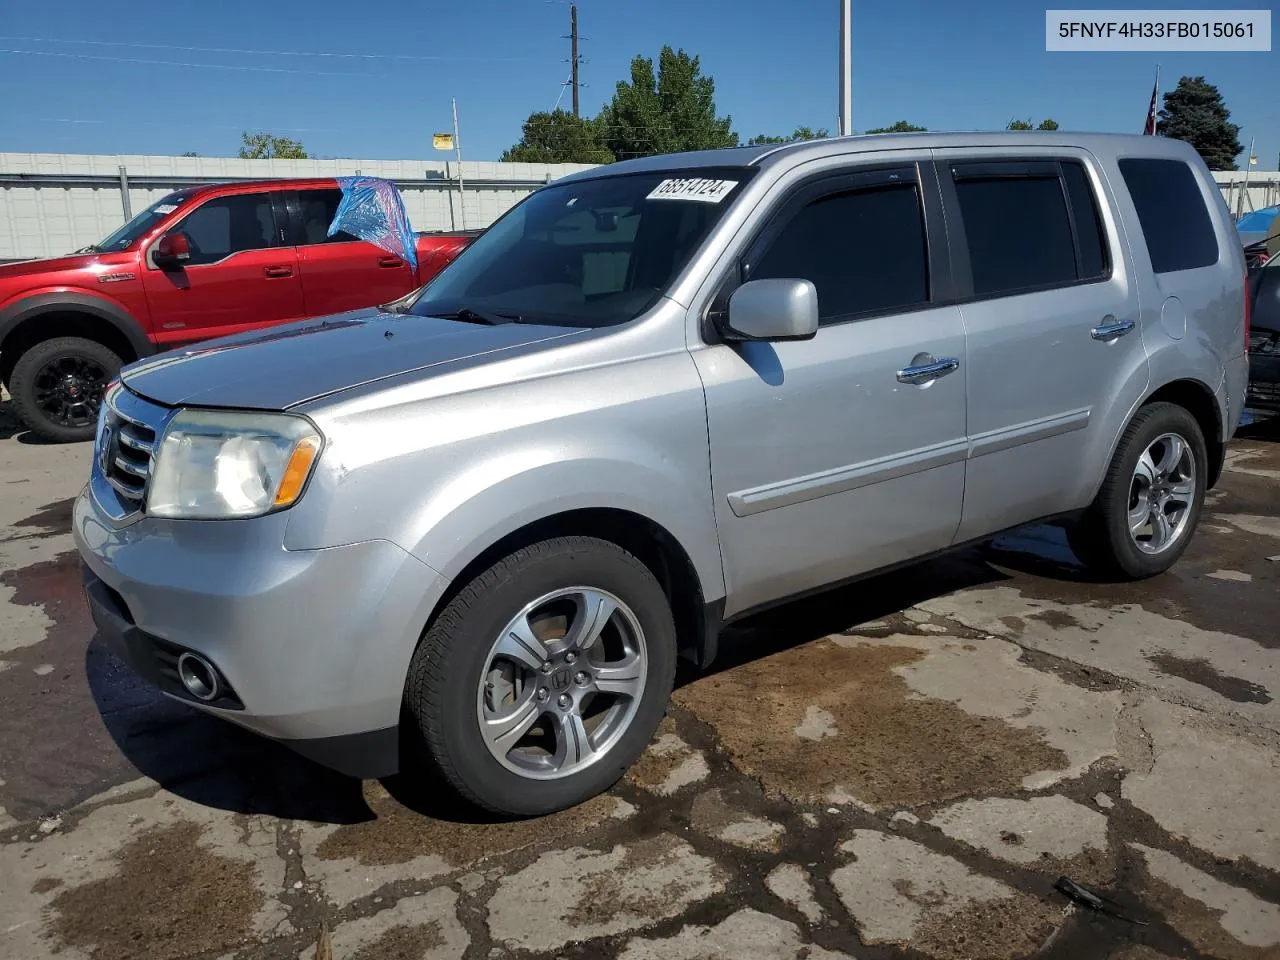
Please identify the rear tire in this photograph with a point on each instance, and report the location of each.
(1159, 470)
(57, 387)
(466, 683)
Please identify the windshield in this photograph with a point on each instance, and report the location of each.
(587, 254)
(135, 228)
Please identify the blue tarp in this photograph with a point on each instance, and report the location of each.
(1258, 220)
(373, 210)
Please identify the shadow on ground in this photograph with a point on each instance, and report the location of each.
(212, 761)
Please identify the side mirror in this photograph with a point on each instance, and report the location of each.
(772, 310)
(172, 251)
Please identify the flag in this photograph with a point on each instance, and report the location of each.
(442, 141)
(1150, 128)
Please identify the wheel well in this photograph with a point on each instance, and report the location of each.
(68, 323)
(649, 542)
(1198, 400)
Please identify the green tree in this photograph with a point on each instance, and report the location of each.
(1047, 124)
(902, 126)
(664, 112)
(191, 153)
(558, 137)
(265, 146)
(1193, 111)
(800, 133)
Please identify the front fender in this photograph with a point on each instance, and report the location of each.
(497, 498)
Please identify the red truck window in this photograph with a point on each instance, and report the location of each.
(227, 225)
(316, 210)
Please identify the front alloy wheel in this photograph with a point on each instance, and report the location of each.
(543, 679)
(563, 682)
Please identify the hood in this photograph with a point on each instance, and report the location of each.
(34, 268)
(284, 366)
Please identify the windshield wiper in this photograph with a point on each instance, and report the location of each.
(468, 315)
(91, 248)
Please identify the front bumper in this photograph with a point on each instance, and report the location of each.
(313, 645)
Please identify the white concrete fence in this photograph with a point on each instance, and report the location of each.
(53, 203)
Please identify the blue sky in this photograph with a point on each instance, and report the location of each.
(941, 64)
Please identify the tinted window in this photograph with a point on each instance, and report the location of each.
(316, 210)
(1094, 261)
(1172, 212)
(228, 225)
(864, 251)
(1018, 233)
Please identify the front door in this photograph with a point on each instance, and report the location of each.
(239, 277)
(1050, 303)
(845, 453)
(341, 272)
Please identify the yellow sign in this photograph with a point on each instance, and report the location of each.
(1253, 161)
(442, 141)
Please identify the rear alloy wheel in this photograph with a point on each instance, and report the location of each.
(543, 680)
(1149, 503)
(58, 385)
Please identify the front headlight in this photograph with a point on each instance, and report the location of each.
(217, 464)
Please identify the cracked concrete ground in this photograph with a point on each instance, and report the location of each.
(899, 768)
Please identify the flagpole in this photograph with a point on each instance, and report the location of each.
(1244, 190)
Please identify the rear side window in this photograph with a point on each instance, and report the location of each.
(1030, 225)
(316, 210)
(1171, 210)
(1090, 239)
(864, 250)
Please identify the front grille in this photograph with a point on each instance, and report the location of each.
(1265, 392)
(1264, 342)
(126, 447)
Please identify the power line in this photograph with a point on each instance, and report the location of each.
(267, 53)
(205, 66)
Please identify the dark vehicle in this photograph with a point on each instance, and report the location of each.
(1264, 336)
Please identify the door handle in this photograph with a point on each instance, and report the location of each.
(391, 262)
(278, 271)
(1111, 329)
(928, 371)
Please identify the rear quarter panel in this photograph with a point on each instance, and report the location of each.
(1209, 341)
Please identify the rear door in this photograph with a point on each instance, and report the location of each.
(240, 275)
(841, 454)
(340, 272)
(1050, 304)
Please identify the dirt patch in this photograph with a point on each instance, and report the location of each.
(712, 813)
(170, 894)
(668, 763)
(1199, 671)
(1014, 927)
(402, 942)
(607, 895)
(45, 884)
(399, 834)
(1058, 619)
(891, 747)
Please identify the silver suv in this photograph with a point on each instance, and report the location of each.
(475, 529)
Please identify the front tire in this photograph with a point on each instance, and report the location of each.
(544, 679)
(57, 387)
(1143, 517)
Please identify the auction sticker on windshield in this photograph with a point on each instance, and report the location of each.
(692, 188)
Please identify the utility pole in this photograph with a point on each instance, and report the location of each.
(573, 52)
(846, 74)
(457, 145)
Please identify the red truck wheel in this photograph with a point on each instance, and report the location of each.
(57, 387)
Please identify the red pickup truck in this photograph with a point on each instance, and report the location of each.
(256, 254)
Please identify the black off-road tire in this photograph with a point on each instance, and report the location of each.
(446, 670)
(22, 384)
(1100, 538)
